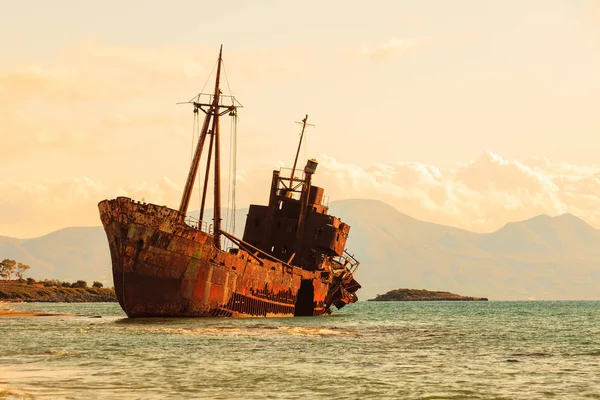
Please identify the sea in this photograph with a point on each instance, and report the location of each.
(367, 350)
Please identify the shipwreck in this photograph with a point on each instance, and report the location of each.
(291, 260)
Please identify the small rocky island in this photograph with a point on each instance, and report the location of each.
(423, 295)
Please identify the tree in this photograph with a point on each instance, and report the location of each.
(97, 284)
(21, 269)
(7, 267)
(79, 284)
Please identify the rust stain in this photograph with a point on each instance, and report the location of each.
(164, 267)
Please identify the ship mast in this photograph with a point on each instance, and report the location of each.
(213, 113)
(217, 195)
(304, 124)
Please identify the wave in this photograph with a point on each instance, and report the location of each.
(530, 355)
(255, 331)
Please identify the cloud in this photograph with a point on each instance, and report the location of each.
(92, 71)
(31, 209)
(92, 94)
(481, 195)
(95, 104)
(81, 101)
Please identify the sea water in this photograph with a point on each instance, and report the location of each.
(368, 350)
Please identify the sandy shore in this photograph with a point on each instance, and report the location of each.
(6, 313)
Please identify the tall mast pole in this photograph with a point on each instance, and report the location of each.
(189, 185)
(213, 112)
(217, 196)
(210, 149)
(298, 152)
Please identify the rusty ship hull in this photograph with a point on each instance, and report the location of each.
(291, 261)
(163, 267)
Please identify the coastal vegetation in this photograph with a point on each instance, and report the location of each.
(423, 295)
(48, 290)
(8, 267)
(53, 291)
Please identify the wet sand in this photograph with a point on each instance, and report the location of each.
(5, 313)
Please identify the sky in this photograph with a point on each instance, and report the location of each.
(466, 113)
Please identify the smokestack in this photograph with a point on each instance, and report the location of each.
(311, 166)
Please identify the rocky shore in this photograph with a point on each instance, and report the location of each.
(423, 295)
(21, 292)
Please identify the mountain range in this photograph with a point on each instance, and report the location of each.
(543, 258)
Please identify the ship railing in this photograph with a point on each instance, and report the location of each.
(348, 261)
(198, 224)
(286, 173)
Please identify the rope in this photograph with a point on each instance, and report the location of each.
(193, 136)
(234, 177)
(196, 127)
(305, 147)
(205, 83)
(226, 78)
(232, 183)
(228, 215)
(199, 176)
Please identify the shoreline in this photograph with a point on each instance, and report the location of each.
(10, 313)
(24, 314)
(17, 292)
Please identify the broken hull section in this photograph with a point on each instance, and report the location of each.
(164, 268)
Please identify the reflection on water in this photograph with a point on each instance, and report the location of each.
(494, 350)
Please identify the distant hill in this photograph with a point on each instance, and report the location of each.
(68, 254)
(543, 257)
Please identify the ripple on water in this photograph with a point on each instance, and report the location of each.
(368, 350)
(253, 331)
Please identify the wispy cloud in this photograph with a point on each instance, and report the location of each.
(35, 208)
(480, 195)
(93, 90)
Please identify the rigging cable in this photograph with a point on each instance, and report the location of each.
(234, 175)
(228, 214)
(199, 181)
(196, 125)
(194, 134)
(305, 148)
(227, 80)
(197, 97)
(231, 203)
